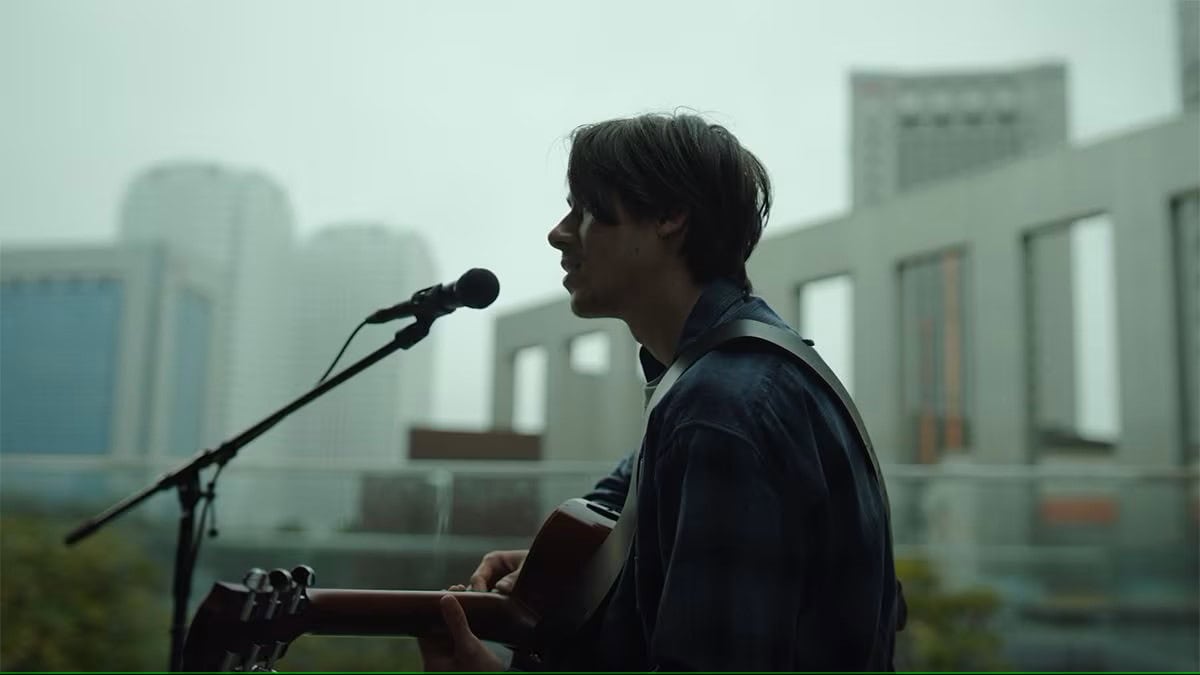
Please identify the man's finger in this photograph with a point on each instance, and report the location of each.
(505, 585)
(456, 621)
(482, 574)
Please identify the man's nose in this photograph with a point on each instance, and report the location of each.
(558, 237)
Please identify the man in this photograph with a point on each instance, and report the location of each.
(762, 535)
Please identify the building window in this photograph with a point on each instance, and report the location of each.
(529, 390)
(591, 353)
(59, 346)
(936, 353)
(1185, 213)
(827, 318)
(1071, 313)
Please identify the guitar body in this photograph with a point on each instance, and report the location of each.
(239, 627)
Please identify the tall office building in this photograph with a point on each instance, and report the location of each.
(341, 275)
(241, 224)
(909, 130)
(110, 358)
(1187, 17)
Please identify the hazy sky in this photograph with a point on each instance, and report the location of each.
(450, 117)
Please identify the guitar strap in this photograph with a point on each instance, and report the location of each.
(601, 572)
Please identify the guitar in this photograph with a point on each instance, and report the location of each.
(249, 626)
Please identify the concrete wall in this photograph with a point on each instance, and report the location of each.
(588, 416)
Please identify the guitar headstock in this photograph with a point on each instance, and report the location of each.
(249, 626)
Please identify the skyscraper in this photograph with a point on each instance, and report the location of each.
(909, 130)
(240, 223)
(341, 275)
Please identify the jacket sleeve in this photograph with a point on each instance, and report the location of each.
(611, 490)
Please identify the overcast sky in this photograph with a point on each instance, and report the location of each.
(450, 117)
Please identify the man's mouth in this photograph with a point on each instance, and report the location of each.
(569, 265)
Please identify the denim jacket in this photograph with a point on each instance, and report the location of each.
(761, 538)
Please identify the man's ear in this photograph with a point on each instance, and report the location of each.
(669, 226)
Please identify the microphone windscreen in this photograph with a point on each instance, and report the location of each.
(477, 288)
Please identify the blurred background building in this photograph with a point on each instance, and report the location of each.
(112, 357)
(912, 129)
(239, 223)
(201, 320)
(339, 276)
(1187, 22)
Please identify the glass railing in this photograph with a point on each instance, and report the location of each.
(1073, 567)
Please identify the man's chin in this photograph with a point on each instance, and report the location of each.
(582, 308)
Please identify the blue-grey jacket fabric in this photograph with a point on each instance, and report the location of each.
(762, 535)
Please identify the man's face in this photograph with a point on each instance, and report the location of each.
(607, 265)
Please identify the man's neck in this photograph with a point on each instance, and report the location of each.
(657, 322)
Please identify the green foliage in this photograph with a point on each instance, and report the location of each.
(95, 606)
(946, 631)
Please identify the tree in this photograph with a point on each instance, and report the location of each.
(946, 631)
(94, 606)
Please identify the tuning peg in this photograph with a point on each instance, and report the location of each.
(281, 580)
(304, 576)
(251, 661)
(254, 578)
(281, 584)
(273, 657)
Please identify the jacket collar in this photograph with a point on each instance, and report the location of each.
(715, 302)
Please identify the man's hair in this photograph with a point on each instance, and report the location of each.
(658, 166)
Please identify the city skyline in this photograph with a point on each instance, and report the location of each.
(464, 140)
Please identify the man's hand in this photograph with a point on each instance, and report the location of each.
(498, 570)
(460, 650)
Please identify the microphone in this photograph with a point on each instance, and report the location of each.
(476, 289)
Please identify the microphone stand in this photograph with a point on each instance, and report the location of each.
(187, 480)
